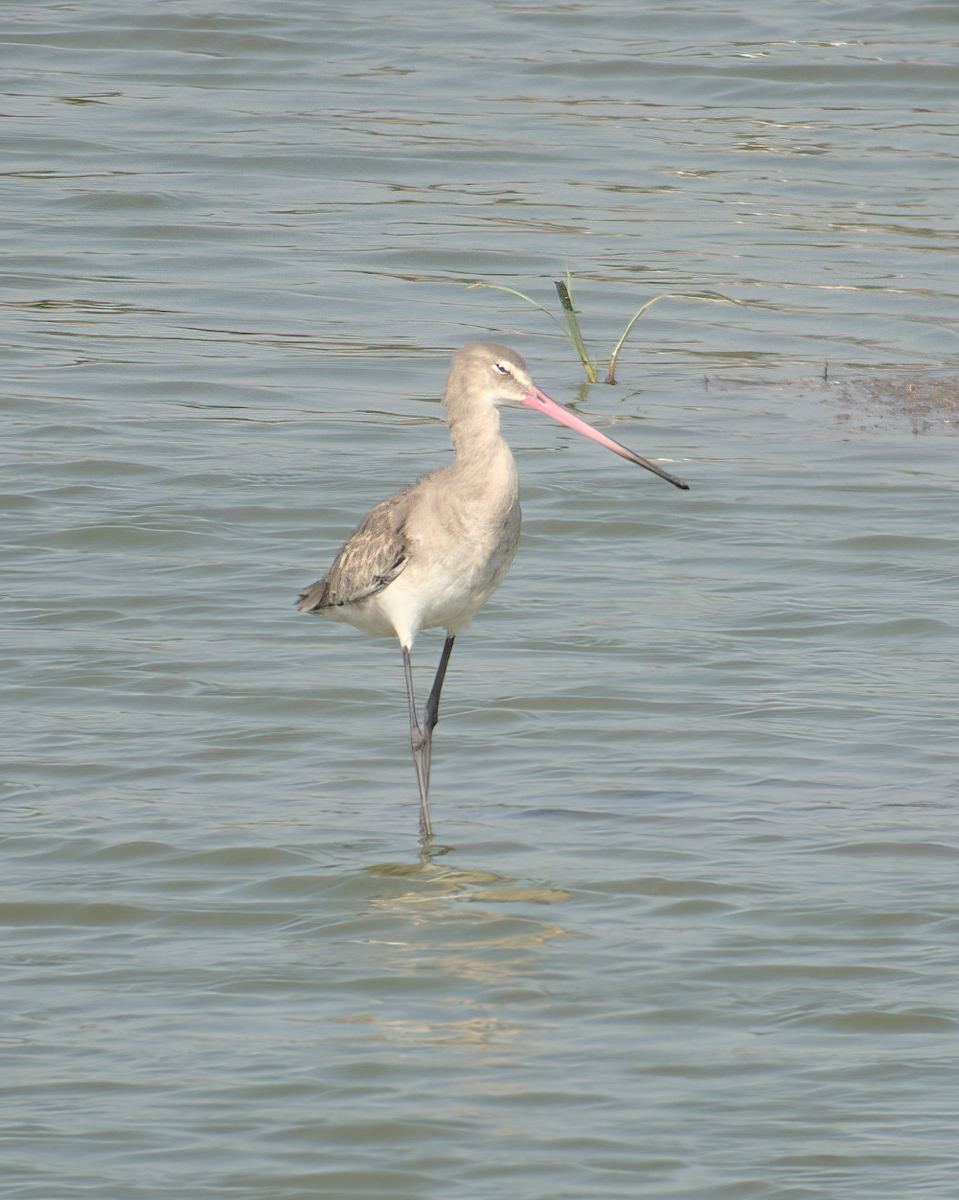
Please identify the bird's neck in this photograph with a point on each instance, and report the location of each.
(475, 434)
(484, 464)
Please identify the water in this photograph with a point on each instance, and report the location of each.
(688, 927)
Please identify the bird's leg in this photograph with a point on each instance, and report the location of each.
(421, 738)
(420, 747)
(433, 704)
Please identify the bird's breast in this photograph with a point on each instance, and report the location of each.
(461, 545)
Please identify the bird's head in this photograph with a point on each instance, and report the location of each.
(485, 374)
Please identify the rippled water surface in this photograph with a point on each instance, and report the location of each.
(688, 928)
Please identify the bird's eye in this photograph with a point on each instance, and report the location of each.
(502, 370)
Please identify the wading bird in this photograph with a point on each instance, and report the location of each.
(433, 554)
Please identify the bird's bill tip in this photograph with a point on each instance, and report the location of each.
(534, 398)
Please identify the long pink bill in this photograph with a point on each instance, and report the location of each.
(542, 403)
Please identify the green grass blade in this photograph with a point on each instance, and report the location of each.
(572, 327)
(498, 287)
(614, 357)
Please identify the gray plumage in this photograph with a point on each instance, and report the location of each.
(375, 554)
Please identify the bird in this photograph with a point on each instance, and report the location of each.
(432, 554)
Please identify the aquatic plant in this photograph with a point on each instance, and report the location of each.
(570, 322)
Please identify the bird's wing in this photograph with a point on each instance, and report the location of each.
(373, 557)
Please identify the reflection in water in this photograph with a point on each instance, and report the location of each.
(460, 883)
